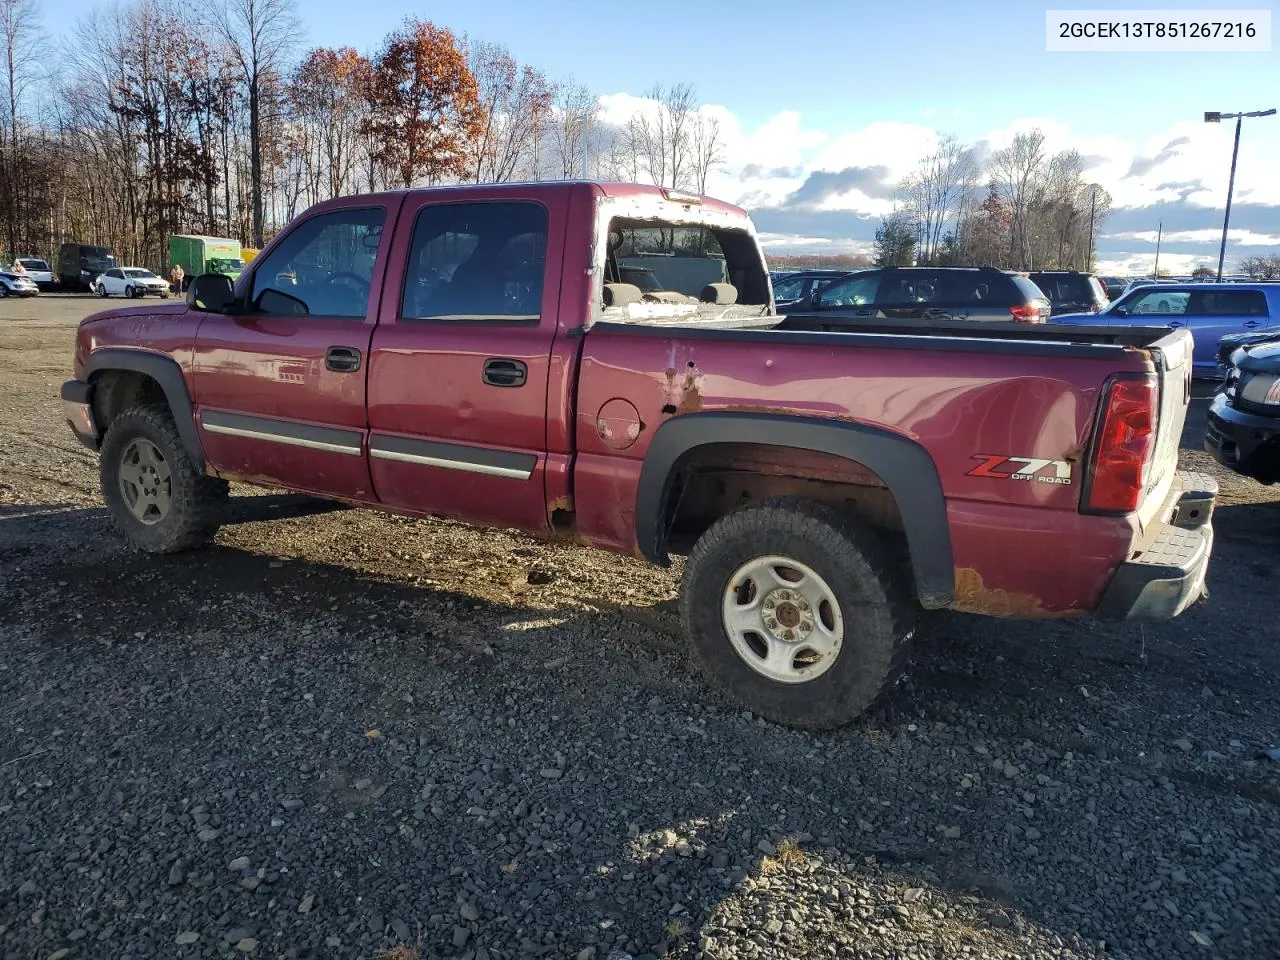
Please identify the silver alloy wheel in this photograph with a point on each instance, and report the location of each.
(783, 619)
(145, 481)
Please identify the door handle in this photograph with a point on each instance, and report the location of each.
(342, 359)
(1251, 324)
(1176, 324)
(501, 372)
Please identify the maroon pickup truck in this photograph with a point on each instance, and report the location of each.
(603, 363)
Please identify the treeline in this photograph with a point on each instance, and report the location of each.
(1019, 208)
(150, 121)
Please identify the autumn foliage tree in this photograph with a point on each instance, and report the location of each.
(327, 109)
(425, 115)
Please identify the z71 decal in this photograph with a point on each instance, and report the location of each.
(1000, 467)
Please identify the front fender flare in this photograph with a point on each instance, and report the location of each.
(906, 468)
(165, 371)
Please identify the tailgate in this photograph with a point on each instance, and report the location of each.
(1172, 356)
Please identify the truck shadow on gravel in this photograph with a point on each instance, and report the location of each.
(999, 783)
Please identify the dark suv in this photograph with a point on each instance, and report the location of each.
(1244, 418)
(1070, 291)
(932, 293)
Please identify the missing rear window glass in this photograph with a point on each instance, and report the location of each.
(684, 264)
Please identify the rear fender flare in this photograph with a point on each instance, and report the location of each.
(164, 371)
(905, 466)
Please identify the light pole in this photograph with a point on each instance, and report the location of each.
(1216, 117)
(1093, 205)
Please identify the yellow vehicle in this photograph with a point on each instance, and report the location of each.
(248, 253)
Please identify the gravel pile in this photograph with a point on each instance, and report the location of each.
(337, 733)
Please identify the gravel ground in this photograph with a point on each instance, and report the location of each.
(336, 734)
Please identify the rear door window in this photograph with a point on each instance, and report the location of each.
(913, 288)
(477, 261)
(1232, 303)
(792, 288)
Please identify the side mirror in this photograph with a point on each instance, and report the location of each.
(1119, 310)
(211, 293)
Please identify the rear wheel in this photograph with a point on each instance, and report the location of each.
(157, 498)
(794, 609)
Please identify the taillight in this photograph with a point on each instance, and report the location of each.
(1125, 443)
(1025, 313)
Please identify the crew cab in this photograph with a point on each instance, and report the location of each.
(473, 352)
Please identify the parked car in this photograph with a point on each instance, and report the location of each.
(472, 352)
(1114, 286)
(130, 282)
(39, 271)
(1243, 432)
(79, 264)
(798, 287)
(931, 294)
(17, 285)
(1209, 310)
(1071, 291)
(1234, 341)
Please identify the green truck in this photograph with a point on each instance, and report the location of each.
(197, 255)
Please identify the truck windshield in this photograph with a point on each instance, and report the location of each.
(226, 265)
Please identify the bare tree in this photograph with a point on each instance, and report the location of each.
(574, 116)
(1020, 171)
(517, 105)
(708, 149)
(259, 34)
(937, 191)
(20, 34)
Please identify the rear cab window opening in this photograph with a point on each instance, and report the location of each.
(667, 263)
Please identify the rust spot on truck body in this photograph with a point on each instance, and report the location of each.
(974, 596)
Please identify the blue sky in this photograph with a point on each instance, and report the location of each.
(839, 80)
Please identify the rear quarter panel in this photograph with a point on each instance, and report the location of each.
(1009, 537)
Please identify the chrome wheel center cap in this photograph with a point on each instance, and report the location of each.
(787, 615)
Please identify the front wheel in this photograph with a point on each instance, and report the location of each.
(100, 290)
(795, 610)
(157, 498)
(130, 293)
(4, 291)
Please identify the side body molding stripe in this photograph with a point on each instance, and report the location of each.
(289, 432)
(906, 468)
(453, 456)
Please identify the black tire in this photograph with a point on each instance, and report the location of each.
(4, 291)
(101, 290)
(195, 501)
(129, 293)
(871, 595)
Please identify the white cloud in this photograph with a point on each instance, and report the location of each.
(1186, 163)
(1243, 238)
(791, 243)
(1137, 264)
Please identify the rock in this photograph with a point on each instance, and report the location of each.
(1010, 771)
(460, 937)
(307, 902)
(364, 783)
(291, 803)
(28, 889)
(60, 954)
(177, 873)
(469, 913)
(1201, 939)
(208, 834)
(551, 773)
(773, 927)
(1032, 833)
(767, 848)
(400, 929)
(1184, 745)
(333, 942)
(951, 833)
(186, 937)
(238, 864)
(912, 894)
(247, 945)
